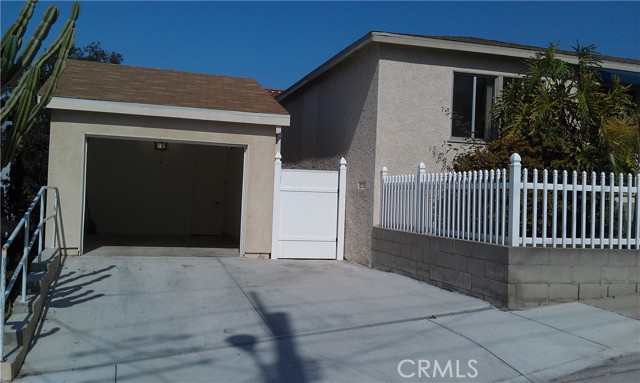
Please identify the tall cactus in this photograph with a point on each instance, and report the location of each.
(21, 72)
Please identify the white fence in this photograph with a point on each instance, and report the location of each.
(308, 213)
(547, 209)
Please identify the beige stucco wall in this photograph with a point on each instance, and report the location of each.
(69, 130)
(233, 193)
(336, 117)
(415, 100)
(384, 105)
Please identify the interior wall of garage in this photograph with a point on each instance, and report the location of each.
(188, 189)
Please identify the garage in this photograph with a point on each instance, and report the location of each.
(151, 157)
(162, 194)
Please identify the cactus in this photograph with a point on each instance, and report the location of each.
(21, 72)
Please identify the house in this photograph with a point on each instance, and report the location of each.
(387, 100)
(163, 155)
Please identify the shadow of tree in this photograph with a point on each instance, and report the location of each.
(289, 366)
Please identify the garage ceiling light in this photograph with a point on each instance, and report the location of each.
(159, 145)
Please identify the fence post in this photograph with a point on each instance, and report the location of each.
(342, 198)
(515, 169)
(420, 198)
(275, 231)
(383, 202)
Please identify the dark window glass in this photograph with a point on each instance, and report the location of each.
(471, 110)
(462, 105)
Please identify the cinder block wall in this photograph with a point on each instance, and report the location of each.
(505, 276)
(472, 268)
(547, 275)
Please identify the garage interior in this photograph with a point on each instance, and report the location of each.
(163, 194)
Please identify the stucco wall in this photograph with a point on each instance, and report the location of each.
(66, 162)
(336, 117)
(385, 105)
(415, 102)
(233, 193)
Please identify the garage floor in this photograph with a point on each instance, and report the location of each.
(213, 243)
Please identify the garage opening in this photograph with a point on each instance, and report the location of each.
(163, 194)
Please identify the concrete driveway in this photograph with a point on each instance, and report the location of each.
(133, 318)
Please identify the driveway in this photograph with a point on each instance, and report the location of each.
(135, 318)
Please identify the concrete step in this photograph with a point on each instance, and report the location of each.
(42, 264)
(14, 329)
(19, 328)
(35, 281)
(32, 303)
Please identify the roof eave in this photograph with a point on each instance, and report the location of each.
(422, 41)
(150, 110)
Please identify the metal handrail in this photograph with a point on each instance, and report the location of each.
(29, 242)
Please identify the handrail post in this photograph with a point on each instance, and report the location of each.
(342, 198)
(43, 193)
(515, 169)
(25, 260)
(3, 280)
(275, 230)
(55, 218)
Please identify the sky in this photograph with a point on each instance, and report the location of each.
(278, 43)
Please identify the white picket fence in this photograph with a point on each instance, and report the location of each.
(577, 210)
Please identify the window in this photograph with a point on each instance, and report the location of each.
(473, 96)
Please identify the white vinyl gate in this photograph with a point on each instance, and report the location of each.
(308, 213)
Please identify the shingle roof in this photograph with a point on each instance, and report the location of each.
(130, 84)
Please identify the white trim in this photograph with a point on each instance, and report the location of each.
(168, 111)
(243, 201)
(84, 195)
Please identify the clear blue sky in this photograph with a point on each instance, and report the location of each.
(279, 42)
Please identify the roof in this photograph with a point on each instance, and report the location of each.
(88, 80)
(274, 92)
(464, 44)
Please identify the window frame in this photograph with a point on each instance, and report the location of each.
(498, 84)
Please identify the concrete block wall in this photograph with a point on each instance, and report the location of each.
(546, 275)
(510, 277)
(472, 268)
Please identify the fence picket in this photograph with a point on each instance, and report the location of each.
(545, 204)
(629, 210)
(611, 217)
(574, 194)
(593, 209)
(525, 178)
(534, 224)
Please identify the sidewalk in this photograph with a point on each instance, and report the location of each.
(183, 319)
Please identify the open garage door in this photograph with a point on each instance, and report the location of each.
(143, 193)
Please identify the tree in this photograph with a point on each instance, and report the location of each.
(560, 115)
(21, 72)
(94, 52)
